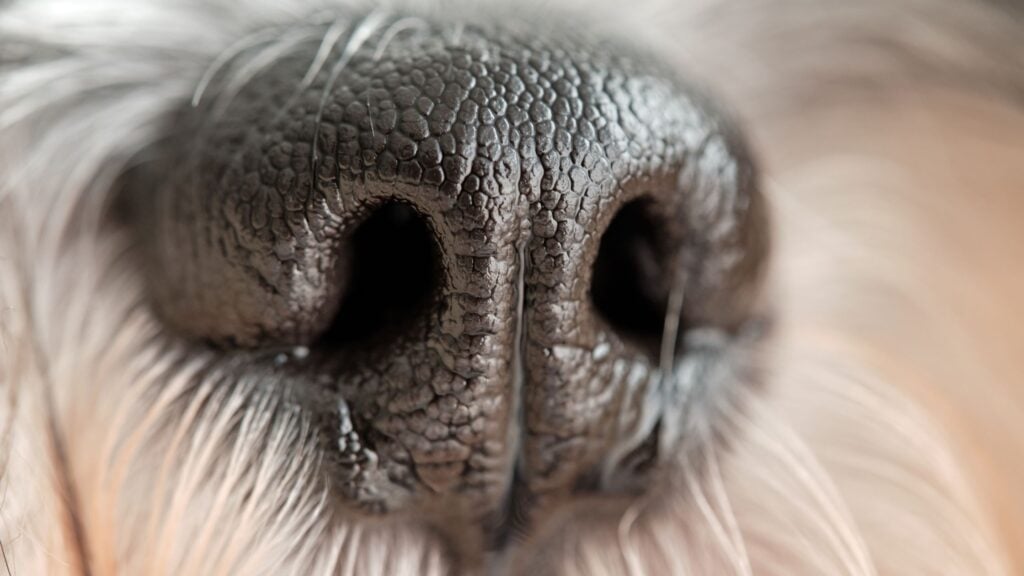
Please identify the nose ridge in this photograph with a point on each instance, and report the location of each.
(470, 339)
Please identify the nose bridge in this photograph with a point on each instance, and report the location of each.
(471, 337)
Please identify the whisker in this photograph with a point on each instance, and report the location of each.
(670, 330)
(718, 516)
(359, 36)
(658, 390)
(331, 37)
(667, 388)
(716, 484)
(625, 527)
(791, 452)
(399, 26)
(257, 64)
(225, 57)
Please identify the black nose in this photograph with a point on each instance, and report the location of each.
(476, 228)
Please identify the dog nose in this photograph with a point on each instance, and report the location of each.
(477, 231)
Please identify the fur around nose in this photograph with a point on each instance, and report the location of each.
(515, 149)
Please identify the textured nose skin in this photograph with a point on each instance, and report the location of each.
(517, 150)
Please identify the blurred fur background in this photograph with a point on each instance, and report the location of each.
(888, 440)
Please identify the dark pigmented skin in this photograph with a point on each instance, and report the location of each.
(516, 145)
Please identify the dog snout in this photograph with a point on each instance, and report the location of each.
(475, 228)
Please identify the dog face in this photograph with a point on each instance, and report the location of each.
(321, 287)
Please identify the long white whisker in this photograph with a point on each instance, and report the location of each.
(399, 26)
(225, 57)
(670, 328)
(331, 37)
(733, 550)
(797, 458)
(359, 36)
(623, 533)
(716, 484)
(257, 64)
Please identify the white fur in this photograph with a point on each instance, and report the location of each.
(887, 440)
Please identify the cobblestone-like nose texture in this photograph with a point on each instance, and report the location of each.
(517, 149)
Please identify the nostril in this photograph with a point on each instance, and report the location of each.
(631, 278)
(394, 274)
